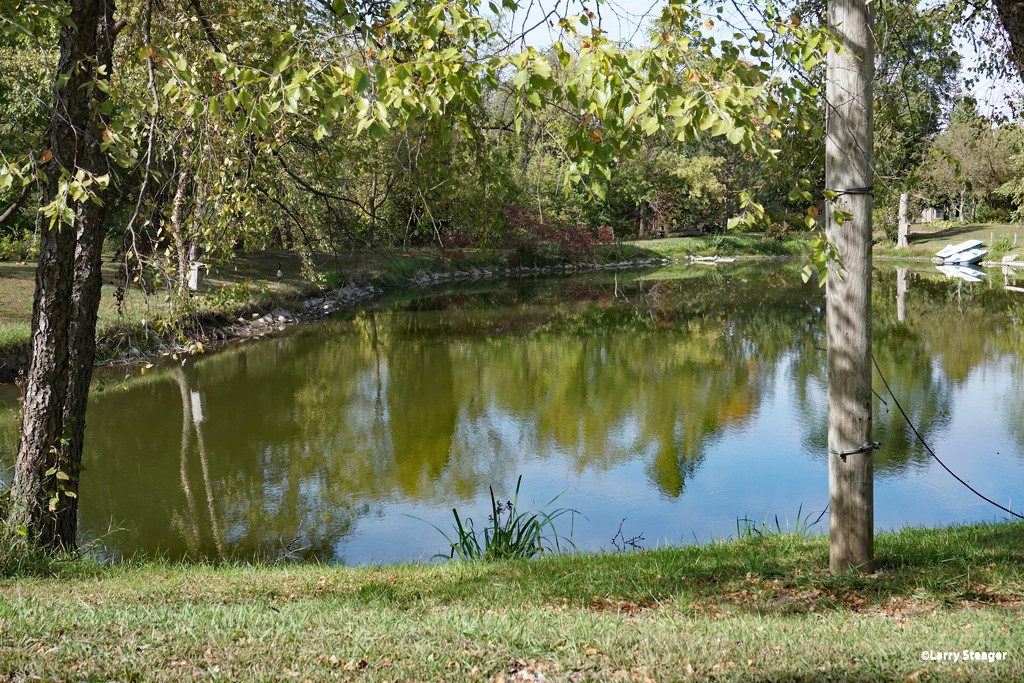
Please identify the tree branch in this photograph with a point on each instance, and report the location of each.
(17, 204)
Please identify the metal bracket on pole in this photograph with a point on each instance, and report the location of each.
(853, 451)
(853, 190)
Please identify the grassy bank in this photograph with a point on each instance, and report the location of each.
(999, 238)
(756, 609)
(249, 282)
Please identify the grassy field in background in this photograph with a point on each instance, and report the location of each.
(257, 287)
(255, 277)
(999, 238)
(254, 274)
(758, 609)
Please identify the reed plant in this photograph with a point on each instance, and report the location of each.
(509, 533)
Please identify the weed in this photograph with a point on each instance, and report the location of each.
(1003, 243)
(14, 335)
(751, 528)
(233, 296)
(509, 534)
(17, 555)
(714, 243)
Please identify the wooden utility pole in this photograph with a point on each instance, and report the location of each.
(849, 174)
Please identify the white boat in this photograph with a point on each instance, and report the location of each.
(966, 273)
(967, 257)
(951, 249)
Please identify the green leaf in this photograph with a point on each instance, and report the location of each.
(720, 127)
(361, 81)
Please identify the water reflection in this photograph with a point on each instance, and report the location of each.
(679, 402)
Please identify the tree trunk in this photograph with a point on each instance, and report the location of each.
(63, 346)
(1011, 14)
(848, 173)
(904, 229)
(181, 242)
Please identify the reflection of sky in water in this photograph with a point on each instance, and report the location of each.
(975, 445)
(353, 438)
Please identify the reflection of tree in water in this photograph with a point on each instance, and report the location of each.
(432, 400)
(948, 333)
(215, 476)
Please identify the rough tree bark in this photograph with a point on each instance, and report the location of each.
(67, 291)
(1011, 14)
(849, 173)
(178, 220)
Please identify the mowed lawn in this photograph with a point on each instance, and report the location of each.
(758, 609)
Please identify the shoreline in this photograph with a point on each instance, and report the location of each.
(211, 331)
(253, 320)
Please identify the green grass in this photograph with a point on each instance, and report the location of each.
(927, 239)
(757, 609)
(125, 324)
(727, 245)
(393, 268)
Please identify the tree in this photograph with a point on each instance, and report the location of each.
(44, 497)
(970, 159)
(1011, 15)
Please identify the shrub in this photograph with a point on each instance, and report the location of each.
(19, 248)
(532, 235)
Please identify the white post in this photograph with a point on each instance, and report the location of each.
(904, 230)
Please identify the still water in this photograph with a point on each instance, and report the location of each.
(666, 404)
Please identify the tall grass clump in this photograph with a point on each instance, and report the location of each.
(18, 557)
(747, 528)
(1003, 244)
(509, 533)
(14, 335)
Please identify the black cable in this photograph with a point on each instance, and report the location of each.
(928, 448)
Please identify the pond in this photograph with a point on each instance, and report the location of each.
(663, 404)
